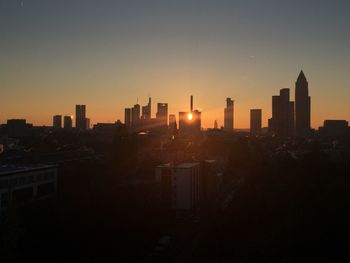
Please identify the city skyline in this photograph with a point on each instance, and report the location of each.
(106, 55)
(146, 113)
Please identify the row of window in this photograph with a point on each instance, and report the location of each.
(23, 195)
(23, 180)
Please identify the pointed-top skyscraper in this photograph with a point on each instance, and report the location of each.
(302, 106)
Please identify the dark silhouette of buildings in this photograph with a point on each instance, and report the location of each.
(172, 123)
(302, 106)
(17, 128)
(146, 111)
(282, 121)
(57, 122)
(80, 117)
(67, 122)
(255, 121)
(228, 115)
(190, 122)
(136, 120)
(135, 116)
(334, 128)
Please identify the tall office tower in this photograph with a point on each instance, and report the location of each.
(228, 115)
(67, 122)
(184, 121)
(146, 111)
(282, 123)
(255, 121)
(172, 123)
(291, 118)
(87, 123)
(302, 106)
(197, 120)
(127, 117)
(57, 122)
(135, 116)
(80, 117)
(162, 114)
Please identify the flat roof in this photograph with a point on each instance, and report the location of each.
(178, 166)
(186, 165)
(14, 169)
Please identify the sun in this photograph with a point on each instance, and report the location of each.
(189, 116)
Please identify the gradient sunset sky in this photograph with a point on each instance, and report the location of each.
(106, 54)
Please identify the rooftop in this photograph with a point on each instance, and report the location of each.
(186, 165)
(13, 169)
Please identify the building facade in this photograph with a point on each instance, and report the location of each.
(181, 185)
(57, 122)
(67, 122)
(282, 121)
(255, 121)
(80, 117)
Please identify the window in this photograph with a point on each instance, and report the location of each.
(4, 200)
(22, 195)
(45, 189)
(25, 180)
(3, 184)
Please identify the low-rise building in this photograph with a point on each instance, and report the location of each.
(22, 184)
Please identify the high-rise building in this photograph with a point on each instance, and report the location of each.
(146, 111)
(229, 115)
(282, 121)
(162, 114)
(255, 121)
(127, 118)
(135, 116)
(87, 123)
(335, 128)
(80, 117)
(57, 122)
(172, 122)
(67, 122)
(302, 106)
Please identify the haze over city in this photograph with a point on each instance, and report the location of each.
(111, 54)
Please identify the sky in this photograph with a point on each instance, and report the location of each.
(111, 54)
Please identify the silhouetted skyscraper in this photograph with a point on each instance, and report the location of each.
(228, 115)
(282, 121)
(80, 117)
(162, 114)
(255, 121)
(57, 122)
(127, 117)
(146, 111)
(67, 122)
(302, 106)
(172, 122)
(135, 116)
